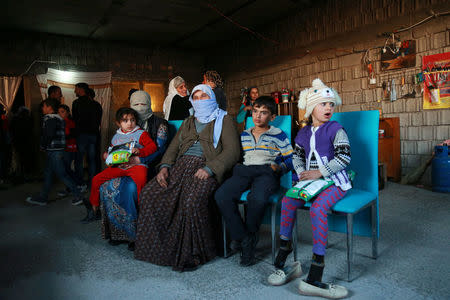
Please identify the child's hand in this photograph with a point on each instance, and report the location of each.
(275, 168)
(310, 175)
(135, 151)
(134, 160)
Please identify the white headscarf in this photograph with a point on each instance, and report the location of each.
(174, 83)
(208, 110)
(144, 111)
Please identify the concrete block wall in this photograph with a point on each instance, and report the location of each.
(127, 61)
(330, 43)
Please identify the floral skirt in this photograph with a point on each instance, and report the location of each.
(118, 206)
(175, 226)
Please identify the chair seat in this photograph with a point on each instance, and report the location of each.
(274, 198)
(354, 200)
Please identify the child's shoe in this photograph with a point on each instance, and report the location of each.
(319, 289)
(36, 200)
(280, 277)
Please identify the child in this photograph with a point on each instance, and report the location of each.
(267, 154)
(71, 146)
(53, 141)
(322, 150)
(213, 79)
(128, 131)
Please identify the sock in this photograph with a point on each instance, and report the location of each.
(283, 253)
(316, 270)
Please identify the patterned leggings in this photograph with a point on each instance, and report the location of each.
(318, 213)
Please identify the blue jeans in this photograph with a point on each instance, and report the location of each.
(70, 157)
(55, 165)
(86, 144)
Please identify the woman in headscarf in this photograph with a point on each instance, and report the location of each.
(176, 105)
(175, 226)
(213, 79)
(119, 196)
(157, 127)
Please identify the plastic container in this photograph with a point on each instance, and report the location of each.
(440, 170)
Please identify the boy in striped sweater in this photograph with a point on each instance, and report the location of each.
(267, 155)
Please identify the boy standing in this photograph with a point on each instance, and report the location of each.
(267, 155)
(53, 141)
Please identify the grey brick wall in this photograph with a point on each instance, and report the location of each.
(329, 42)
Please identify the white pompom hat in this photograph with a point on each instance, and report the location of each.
(316, 94)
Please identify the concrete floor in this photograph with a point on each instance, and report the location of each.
(45, 253)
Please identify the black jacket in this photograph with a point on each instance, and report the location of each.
(87, 115)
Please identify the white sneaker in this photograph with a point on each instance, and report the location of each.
(280, 277)
(330, 291)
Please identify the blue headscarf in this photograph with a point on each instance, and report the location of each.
(208, 110)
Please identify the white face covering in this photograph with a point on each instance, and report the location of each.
(141, 102)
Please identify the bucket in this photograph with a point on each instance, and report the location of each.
(440, 169)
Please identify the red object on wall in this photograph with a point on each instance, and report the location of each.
(276, 96)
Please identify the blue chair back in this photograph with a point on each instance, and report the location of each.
(284, 123)
(362, 131)
(174, 125)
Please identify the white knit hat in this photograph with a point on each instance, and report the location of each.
(316, 94)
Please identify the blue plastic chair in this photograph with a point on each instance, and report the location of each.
(174, 125)
(284, 123)
(352, 214)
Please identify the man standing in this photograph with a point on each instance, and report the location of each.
(87, 114)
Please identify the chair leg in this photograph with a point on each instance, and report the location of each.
(274, 209)
(294, 239)
(224, 230)
(349, 245)
(374, 231)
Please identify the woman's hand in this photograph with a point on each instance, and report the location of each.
(248, 107)
(162, 176)
(94, 208)
(310, 175)
(105, 155)
(201, 174)
(135, 151)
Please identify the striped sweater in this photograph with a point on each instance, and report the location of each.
(273, 147)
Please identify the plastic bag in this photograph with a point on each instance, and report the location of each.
(308, 189)
(120, 154)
